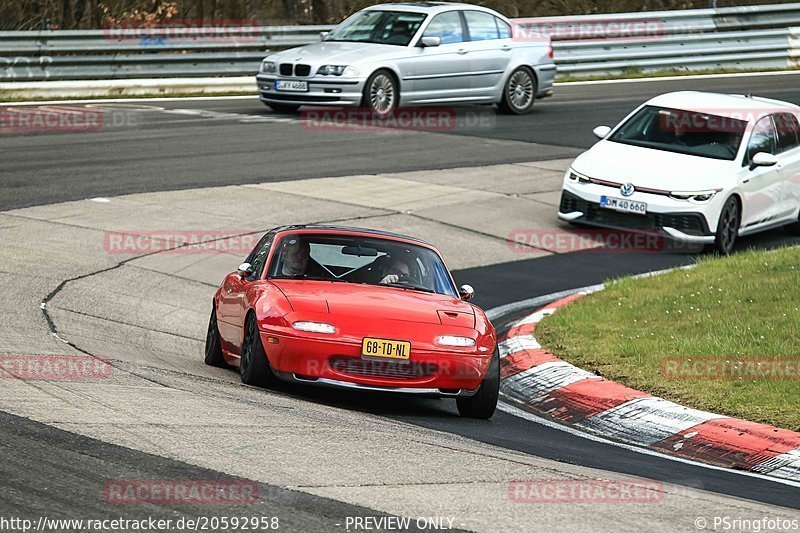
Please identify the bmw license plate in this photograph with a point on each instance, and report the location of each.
(291, 86)
(385, 349)
(623, 205)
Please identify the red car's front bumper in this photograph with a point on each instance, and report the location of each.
(332, 362)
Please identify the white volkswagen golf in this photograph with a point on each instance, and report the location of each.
(700, 168)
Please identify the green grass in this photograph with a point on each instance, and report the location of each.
(744, 306)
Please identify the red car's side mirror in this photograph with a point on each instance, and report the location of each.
(466, 292)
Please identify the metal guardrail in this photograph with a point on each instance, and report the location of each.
(747, 37)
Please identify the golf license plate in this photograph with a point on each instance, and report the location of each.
(291, 86)
(623, 205)
(385, 349)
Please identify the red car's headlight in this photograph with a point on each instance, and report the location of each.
(453, 340)
(315, 327)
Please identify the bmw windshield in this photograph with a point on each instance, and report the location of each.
(683, 132)
(381, 27)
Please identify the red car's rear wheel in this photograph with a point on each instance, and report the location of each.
(484, 403)
(254, 364)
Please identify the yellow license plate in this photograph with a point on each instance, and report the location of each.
(385, 348)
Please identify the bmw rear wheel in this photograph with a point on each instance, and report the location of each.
(254, 365)
(728, 227)
(519, 92)
(381, 93)
(213, 343)
(484, 403)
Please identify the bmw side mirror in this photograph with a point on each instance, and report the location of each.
(323, 35)
(245, 270)
(601, 132)
(430, 42)
(466, 292)
(763, 159)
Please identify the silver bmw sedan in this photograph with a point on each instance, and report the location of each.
(413, 54)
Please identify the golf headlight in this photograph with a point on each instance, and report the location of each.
(580, 178)
(453, 340)
(337, 70)
(268, 67)
(314, 327)
(698, 197)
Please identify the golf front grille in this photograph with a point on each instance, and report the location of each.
(688, 223)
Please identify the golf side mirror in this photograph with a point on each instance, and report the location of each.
(601, 132)
(763, 159)
(430, 42)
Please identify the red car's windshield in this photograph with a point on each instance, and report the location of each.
(366, 260)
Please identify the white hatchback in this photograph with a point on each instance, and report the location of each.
(699, 168)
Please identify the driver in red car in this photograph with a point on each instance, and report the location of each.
(395, 270)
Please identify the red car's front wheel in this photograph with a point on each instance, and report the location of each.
(254, 364)
(484, 403)
(213, 344)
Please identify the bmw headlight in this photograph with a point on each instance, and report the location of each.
(695, 197)
(337, 70)
(268, 67)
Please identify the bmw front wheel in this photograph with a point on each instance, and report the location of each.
(381, 93)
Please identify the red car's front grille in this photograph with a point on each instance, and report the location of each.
(381, 369)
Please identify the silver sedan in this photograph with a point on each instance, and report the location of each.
(403, 55)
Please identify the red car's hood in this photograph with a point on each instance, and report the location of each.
(368, 301)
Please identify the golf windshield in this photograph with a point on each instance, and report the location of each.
(683, 132)
(381, 27)
(364, 260)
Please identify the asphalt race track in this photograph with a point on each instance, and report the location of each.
(162, 161)
(212, 149)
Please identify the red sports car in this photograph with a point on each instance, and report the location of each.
(355, 308)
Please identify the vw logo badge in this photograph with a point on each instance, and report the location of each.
(627, 190)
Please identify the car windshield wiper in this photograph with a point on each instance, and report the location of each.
(410, 287)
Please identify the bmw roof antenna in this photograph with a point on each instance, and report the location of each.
(749, 95)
